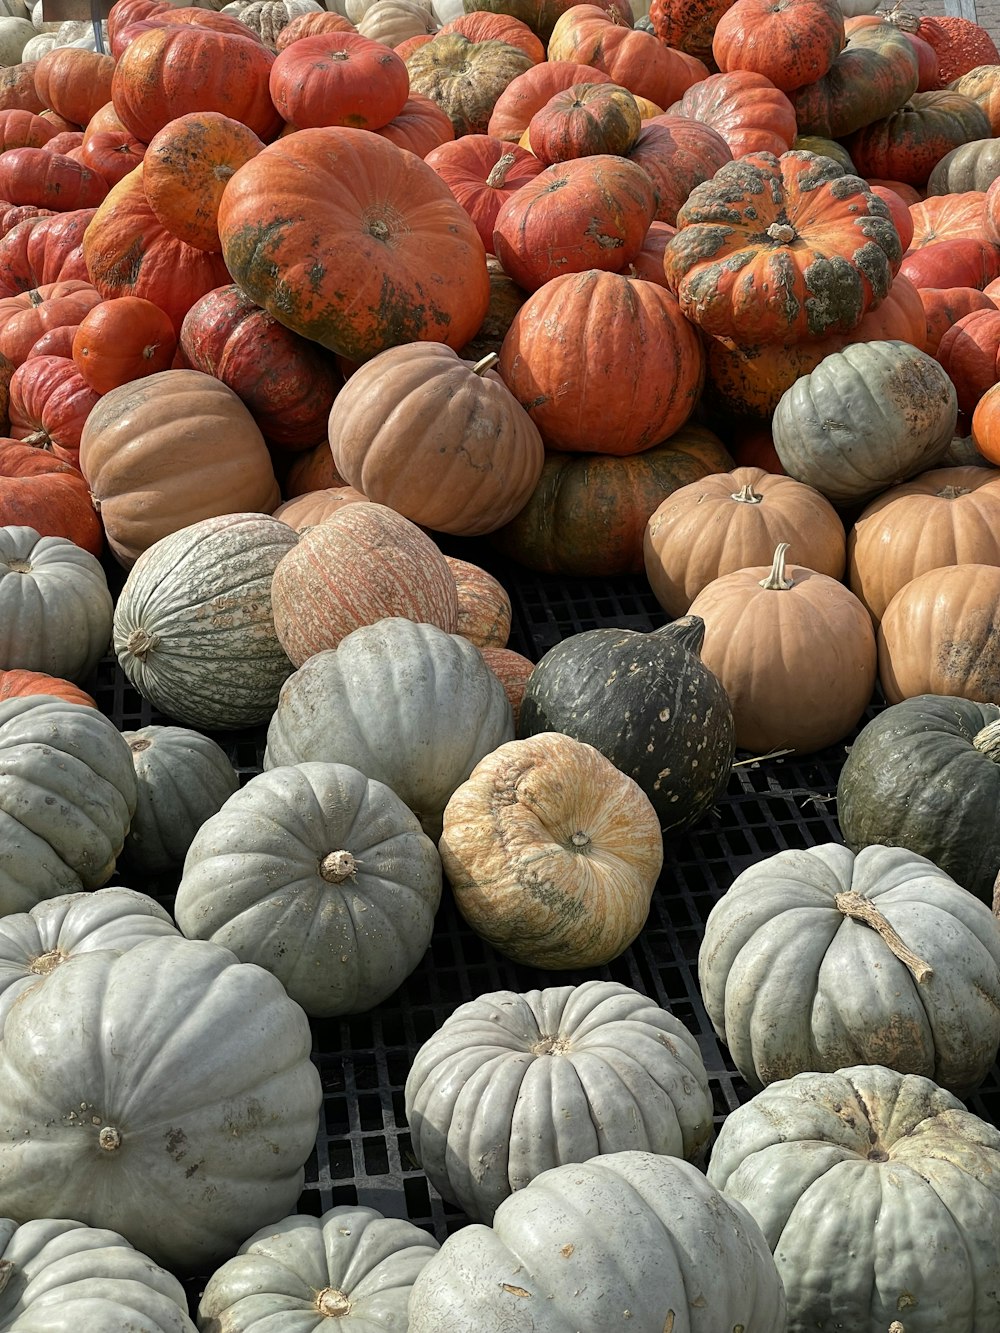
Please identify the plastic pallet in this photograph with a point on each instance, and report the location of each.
(363, 1152)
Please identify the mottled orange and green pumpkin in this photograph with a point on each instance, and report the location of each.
(465, 78)
(530, 91)
(353, 242)
(587, 118)
(872, 77)
(772, 249)
(909, 143)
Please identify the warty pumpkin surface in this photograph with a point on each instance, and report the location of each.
(352, 242)
(771, 249)
(793, 43)
(872, 77)
(465, 78)
(909, 143)
(678, 153)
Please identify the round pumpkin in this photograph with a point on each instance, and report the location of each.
(879, 956)
(529, 92)
(970, 166)
(678, 153)
(122, 340)
(587, 118)
(193, 627)
(17, 684)
(365, 878)
(512, 670)
(465, 78)
(339, 78)
(41, 492)
(305, 511)
(619, 1060)
(794, 650)
(792, 43)
(908, 144)
(182, 436)
(745, 108)
(50, 402)
(482, 173)
(872, 77)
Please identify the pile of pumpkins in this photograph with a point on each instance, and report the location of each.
(311, 320)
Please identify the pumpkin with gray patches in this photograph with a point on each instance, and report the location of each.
(648, 704)
(776, 249)
(879, 1196)
(867, 417)
(482, 1091)
(817, 958)
(321, 876)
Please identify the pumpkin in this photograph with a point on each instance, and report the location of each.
(392, 22)
(97, 1036)
(182, 436)
(56, 342)
(305, 511)
(874, 75)
(771, 249)
(971, 166)
(347, 240)
(338, 78)
(44, 250)
(888, 960)
(482, 173)
(186, 168)
(465, 77)
(363, 563)
(50, 402)
(175, 69)
(963, 262)
(40, 176)
(744, 108)
(792, 44)
(982, 85)
(63, 1272)
(866, 417)
(922, 775)
(33, 944)
(183, 779)
(311, 470)
(365, 878)
(939, 635)
(352, 1263)
(17, 684)
(588, 513)
(484, 609)
(512, 670)
(287, 382)
(506, 298)
(527, 93)
(583, 120)
(482, 26)
(948, 516)
(420, 127)
(670, 727)
(871, 1137)
(122, 340)
(70, 752)
(678, 153)
(948, 217)
(627, 1231)
(541, 15)
(23, 129)
(551, 852)
(17, 87)
(688, 26)
(311, 24)
(26, 316)
(985, 426)
(729, 521)
(619, 1060)
(55, 607)
(945, 306)
(794, 650)
(602, 363)
(440, 440)
(74, 82)
(406, 704)
(196, 604)
(960, 44)
(108, 147)
(969, 352)
(41, 492)
(909, 143)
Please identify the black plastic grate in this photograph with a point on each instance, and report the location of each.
(363, 1152)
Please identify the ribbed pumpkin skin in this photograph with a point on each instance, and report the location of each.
(792, 982)
(971, 166)
(366, 881)
(17, 684)
(55, 607)
(363, 563)
(585, 119)
(482, 173)
(312, 507)
(350, 1251)
(440, 440)
(35, 943)
(627, 1231)
(345, 239)
(670, 727)
(121, 1286)
(746, 109)
(855, 1150)
(187, 439)
(772, 249)
(183, 779)
(339, 78)
(465, 78)
(603, 363)
(94, 782)
(197, 607)
(678, 153)
(908, 144)
(406, 704)
(484, 610)
(792, 44)
(530, 91)
(925, 774)
(871, 415)
(872, 77)
(40, 492)
(618, 1060)
(99, 1033)
(551, 852)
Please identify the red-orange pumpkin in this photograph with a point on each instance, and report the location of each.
(482, 26)
(339, 78)
(18, 684)
(678, 153)
(587, 118)
(909, 143)
(313, 24)
(25, 317)
(43, 250)
(962, 262)
(746, 109)
(482, 173)
(50, 180)
(108, 147)
(945, 306)
(420, 127)
(42, 492)
(23, 129)
(121, 340)
(688, 25)
(970, 353)
(49, 405)
(648, 263)
(530, 91)
(74, 82)
(55, 342)
(790, 42)
(17, 87)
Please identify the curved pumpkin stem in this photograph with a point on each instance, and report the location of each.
(498, 174)
(746, 495)
(859, 908)
(487, 363)
(777, 580)
(987, 741)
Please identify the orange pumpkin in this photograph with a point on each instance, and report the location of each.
(587, 118)
(50, 180)
(792, 43)
(970, 353)
(313, 24)
(986, 425)
(688, 25)
(678, 154)
(43, 250)
(484, 610)
(339, 78)
(512, 670)
(945, 306)
(108, 147)
(420, 127)
(982, 84)
(23, 129)
(17, 87)
(483, 26)
(948, 217)
(746, 109)
(25, 317)
(482, 173)
(122, 340)
(17, 684)
(42, 492)
(305, 511)
(530, 91)
(49, 405)
(74, 82)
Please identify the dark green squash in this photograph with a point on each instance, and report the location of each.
(649, 704)
(925, 775)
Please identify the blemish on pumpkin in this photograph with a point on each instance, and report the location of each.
(514, 1291)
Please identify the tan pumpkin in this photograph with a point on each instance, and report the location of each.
(484, 610)
(795, 651)
(168, 450)
(940, 634)
(949, 516)
(552, 853)
(362, 564)
(441, 440)
(393, 21)
(732, 520)
(305, 511)
(512, 671)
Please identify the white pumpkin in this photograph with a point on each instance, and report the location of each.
(15, 9)
(393, 21)
(15, 33)
(268, 17)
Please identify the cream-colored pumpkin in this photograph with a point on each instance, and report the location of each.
(268, 17)
(552, 853)
(15, 33)
(393, 21)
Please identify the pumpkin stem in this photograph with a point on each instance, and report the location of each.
(140, 643)
(781, 232)
(139, 744)
(689, 631)
(109, 1138)
(498, 174)
(335, 867)
(487, 363)
(953, 492)
(859, 908)
(333, 1303)
(7, 1269)
(987, 741)
(778, 580)
(556, 1045)
(47, 962)
(580, 841)
(746, 495)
